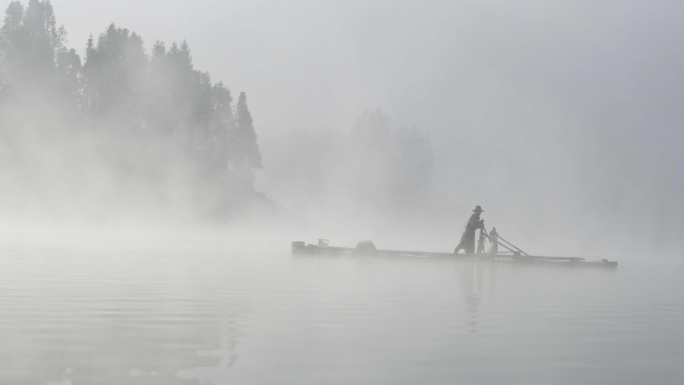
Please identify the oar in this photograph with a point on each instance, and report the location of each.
(512, 245)
(490, 240)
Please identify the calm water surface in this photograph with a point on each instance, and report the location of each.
(205, 315)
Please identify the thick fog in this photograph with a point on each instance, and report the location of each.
(383, 120)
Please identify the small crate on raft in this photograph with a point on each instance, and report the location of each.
(366, 247)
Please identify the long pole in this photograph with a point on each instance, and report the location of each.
(490, 240)
(512, 245)
(505, 242)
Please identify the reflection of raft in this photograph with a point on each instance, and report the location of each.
(515, 257)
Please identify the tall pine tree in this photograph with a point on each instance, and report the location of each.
(29, 43)
(115, 74)
(246, 154)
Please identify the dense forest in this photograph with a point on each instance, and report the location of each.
(157, 93)
(130, 131)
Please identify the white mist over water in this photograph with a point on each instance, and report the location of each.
(560, 119)
(206, 310)
(124, 260)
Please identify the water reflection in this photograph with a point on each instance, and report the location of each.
(119, 319)
(474, 274)
(198, 317)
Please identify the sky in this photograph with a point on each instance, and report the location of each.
(571, 108)
(318, 64)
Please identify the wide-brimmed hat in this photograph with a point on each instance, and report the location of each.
(478, 209)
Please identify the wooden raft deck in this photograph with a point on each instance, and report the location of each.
(301, 248)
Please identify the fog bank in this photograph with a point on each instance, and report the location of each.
(560, 119)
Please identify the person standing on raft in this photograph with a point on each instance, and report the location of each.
(481, 242)
(468, 238)
(493, 242)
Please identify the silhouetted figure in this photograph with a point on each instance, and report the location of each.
(481, 242)
(468, 238)
(493, 242)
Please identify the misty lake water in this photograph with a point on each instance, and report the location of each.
(203, 314)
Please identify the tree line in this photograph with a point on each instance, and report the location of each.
(150, 99)
(156, 94)
(372, 169)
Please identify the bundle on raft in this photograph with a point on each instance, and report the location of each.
(516, 257)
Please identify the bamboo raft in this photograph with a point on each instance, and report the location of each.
(512, 255)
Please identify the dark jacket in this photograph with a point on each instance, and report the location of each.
(468, 238)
